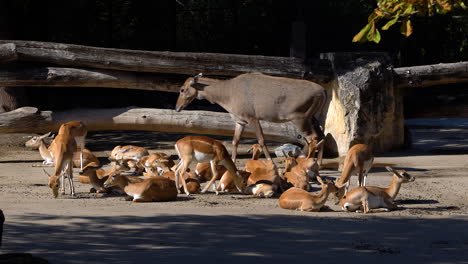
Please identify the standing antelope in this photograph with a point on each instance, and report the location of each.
(299, 199)
(78, 131)
(369, 197)
(83, 157)
(252, 97)
(358, 161)
(205, 149)
(62, 149)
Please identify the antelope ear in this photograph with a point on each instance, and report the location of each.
(320, 143)
(46, 172)
(45, 135)
(341, 185)
(390, 169)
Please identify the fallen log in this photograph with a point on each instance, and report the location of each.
(72, 77)
(430, 75)
(8, 52)
(31, 120)
(164, 61)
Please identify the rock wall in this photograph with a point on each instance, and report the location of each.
(362, 104)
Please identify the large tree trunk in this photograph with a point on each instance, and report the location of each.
(30, 119)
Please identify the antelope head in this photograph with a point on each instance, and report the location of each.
(188, 93)
(34, 141)
(402, 175)
(113, 179)
(54, 183)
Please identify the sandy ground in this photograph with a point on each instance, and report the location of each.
(430, 227)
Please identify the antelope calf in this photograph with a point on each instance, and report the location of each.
(299, 199)
(365, 198)
(153, 189)
(358, 161)
(205, 149)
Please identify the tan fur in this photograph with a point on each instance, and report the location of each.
(252, 97)
(262, 190)
(127, 157)
(189, 147)
(97, 177)
(298, 175)
(193, 185)
(62, 149)
(358, 198)
(204, 173)
(354, 163)
(78, 131)
(256, 150)
(299, 199)
(148, 190)
(226, 183)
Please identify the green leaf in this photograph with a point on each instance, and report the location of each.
(360, 37)
(391, 22)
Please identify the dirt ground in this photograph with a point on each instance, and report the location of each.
(430, 227)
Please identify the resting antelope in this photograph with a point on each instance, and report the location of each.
(226, 182)
(78, 132)
(153, 189)
(358, 161)
(204, 149)
(204, 173)
(156, 163)
(97, 176)
(252, 97)
(62, 149)
(39, 142)
(299, 199)
(193, 184)
(127, 157)
(365, 198)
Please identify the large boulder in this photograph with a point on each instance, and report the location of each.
(362, 104)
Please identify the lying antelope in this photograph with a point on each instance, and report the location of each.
(156, 163)
(78, 132)
(204, 173)
(97, 176)
(204, 149)
(191, 180)
(62, 149)
(298, 176)
(83, 157)
(226, 182)
(127, 157)
(153, 189)
(365, 198)
(358, 161)
(262, 190)
(299, 199)
(252, 97)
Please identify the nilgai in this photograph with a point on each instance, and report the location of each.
(365, 198)
(252, 97)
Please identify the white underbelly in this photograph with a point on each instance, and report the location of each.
(376, 202)
(202, 157)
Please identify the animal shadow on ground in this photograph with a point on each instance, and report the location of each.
(234, 238)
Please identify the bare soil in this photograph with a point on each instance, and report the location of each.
(430, 226)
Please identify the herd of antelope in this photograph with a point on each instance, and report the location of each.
(249, 98)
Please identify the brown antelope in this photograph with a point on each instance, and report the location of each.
(226, 182)
(157, 163)
(252, 97)
(62, 149)
(262, 190)
(204, 149)
(127, 157)
(152, 189)
(358, 161)
(365, 198)
(193, 184)
(256, 150)
(299, 199)
(204, 173)
(298, 176)
(97, 176)
(40, 143)
(78, 132)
